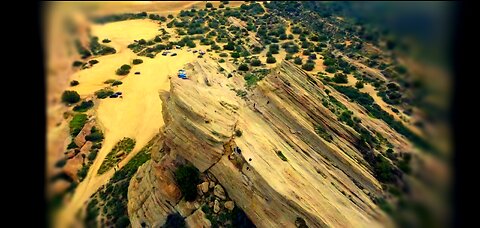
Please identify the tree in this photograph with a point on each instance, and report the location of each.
(271, 60)
(187, 177)
(74, 83)
(359, 85)
(230, 46)
(298, 61)
(209, 5)
(235, 55)
(70, 97)
(243, 67)
(308, 66)
(255, 62)
(340, 78)
(306, 52)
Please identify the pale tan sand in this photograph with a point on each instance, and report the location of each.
(138, 114)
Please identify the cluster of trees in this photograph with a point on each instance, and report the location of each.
(103, 93)
(119, 17)
(340, 78)
(99, 49)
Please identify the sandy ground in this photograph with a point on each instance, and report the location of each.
(138, 114)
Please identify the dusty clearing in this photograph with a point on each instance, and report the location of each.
(138, 114)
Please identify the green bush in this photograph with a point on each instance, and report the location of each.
(209, 5)
(137, 61)
(77, 123)
(93, 62)
(238, 133)
(271, 60)
(122, 222)
(77, 63)
(298, 61)
(124, 69)
(70, 97)
(83, 107)
(103, 93)
(308, 66)
(74, 83)
(235, 55)
(126, 145)
(243, 67)
(340, 78)
(187, 177)
(72, 145)
(255, 62)
(96, 136)
(109, 81)
(92, 155)
(331, 69)
(115, 83)
(221, 60)
(359, 85)
(223, 55)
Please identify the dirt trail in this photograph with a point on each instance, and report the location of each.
(138, 114)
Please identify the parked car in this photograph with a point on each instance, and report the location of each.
(114, 96)
(137, 72)
(165, 53)
(173, 54)
(194, 51)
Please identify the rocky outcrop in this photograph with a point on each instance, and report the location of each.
(198, 220)
(153, 193)
(320, 182)
(80, 138)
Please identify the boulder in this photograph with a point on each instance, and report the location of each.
(219, 192)
(198, 220)
(216, 206)
(229, 205)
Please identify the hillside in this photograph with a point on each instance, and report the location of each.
(281, 123)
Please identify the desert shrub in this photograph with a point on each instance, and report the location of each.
(115, 83)
(94, 136)
(223, 55)
(243, 67)
(187, 177)
(70, 97)
(92, 155)
(323, 133)
(271, 60)
(209, 5)
(103, 93)
(238, 133)
(124, 69)
(77, 63)
(77, 123)
(221, 60)
(331, 69)
(74, 83)
(137, 61)
(109, 81)
(255, 62)
(72, 145)
(298, 61)
(308, 66)
(340, 78)
(229, 46)
(383, 169)
(235, 55)
(359, 85)
(60, 163)
(93, 62)
(83, 107)
(306, 52)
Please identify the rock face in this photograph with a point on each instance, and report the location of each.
(317, 181)
(80, 138)
(229, 205)
(153, 193)
(198, 220)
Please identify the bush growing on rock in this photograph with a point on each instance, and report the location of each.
(70, 97)
(174, 220)
(187, 177)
